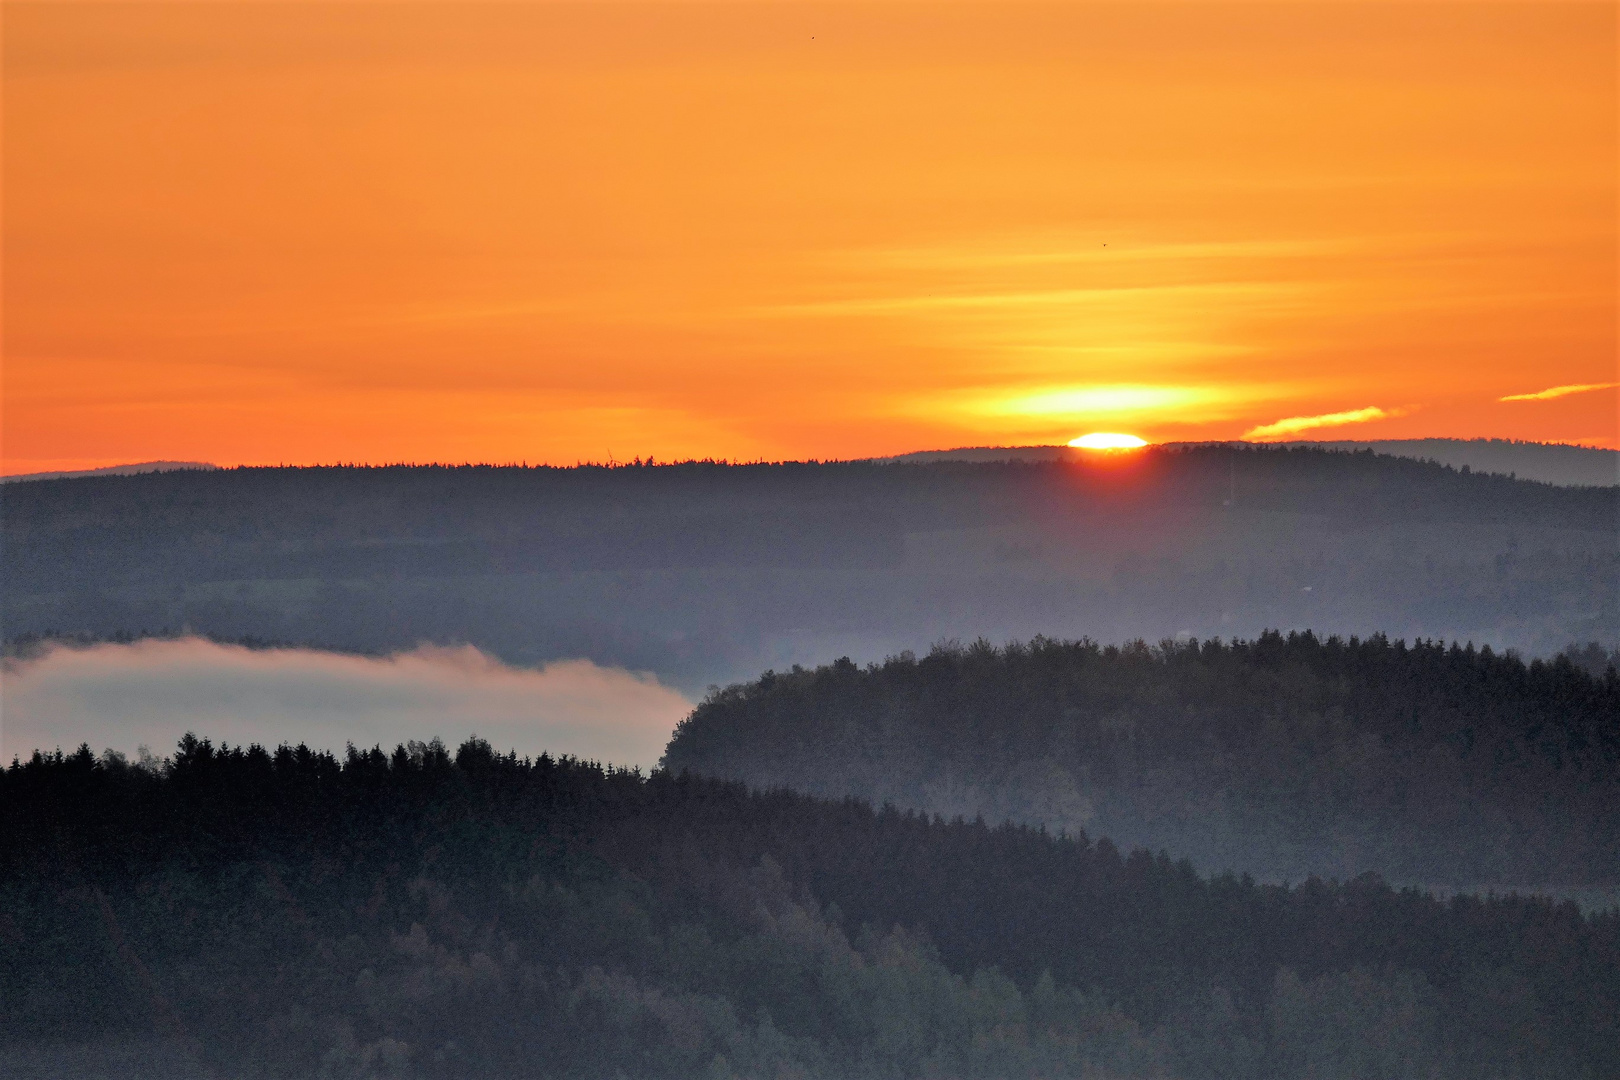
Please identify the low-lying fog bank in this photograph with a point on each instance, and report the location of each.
(151, 692)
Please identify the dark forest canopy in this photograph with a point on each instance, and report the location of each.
(1553, 463)
(704, 572)
(288, 913)
(1282, 756)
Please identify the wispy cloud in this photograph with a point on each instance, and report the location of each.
(1042, 412)
(1036, 253)
(1104, 399)
(1028, 298)
(1559, 391)
(152, 692)
(1293, 425)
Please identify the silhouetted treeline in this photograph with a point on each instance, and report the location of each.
(1281, 756)
(704, 571)
(288, 913)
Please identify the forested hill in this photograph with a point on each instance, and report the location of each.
(243, 913)
(1553, 463)
(706, 572)
(1281, 756)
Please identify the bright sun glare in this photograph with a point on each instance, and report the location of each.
(1108, 440)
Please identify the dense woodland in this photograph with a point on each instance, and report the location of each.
(1281, 756)
(707, 572)
(238, 912)
(1553, 463)
(288, 913)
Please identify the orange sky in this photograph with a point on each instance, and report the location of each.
(311, 232)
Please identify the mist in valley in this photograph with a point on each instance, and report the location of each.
(147, 694)
(707, 574)
(1208, 762)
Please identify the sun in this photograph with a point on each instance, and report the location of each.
(1108, 440)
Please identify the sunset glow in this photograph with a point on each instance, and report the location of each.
(1108, 440)
(1104, 400)
(312, 232)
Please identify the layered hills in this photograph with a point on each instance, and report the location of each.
(238, 912)
(1282, 756)
(1051, 859)
(706, 573)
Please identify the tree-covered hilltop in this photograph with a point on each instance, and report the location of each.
(706, 572)
(1281, 756)
(288, 913)
(1553, 463)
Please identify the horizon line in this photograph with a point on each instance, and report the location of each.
(142, 468)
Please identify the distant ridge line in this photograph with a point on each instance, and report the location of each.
(112, 470)
(1563, 464)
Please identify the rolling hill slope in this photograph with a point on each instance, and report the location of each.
(707, 572)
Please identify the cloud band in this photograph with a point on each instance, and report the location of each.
(1293, 425)
(1559, 391)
